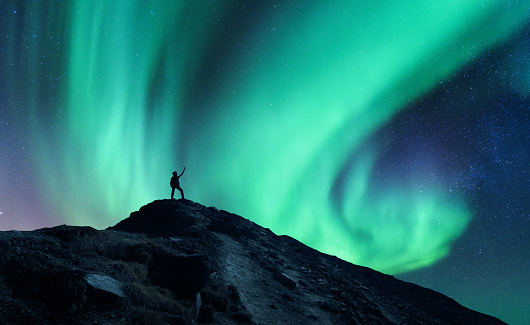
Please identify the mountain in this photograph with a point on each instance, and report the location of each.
(179, 262)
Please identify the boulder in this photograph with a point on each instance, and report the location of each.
(103, 289)
(285, 280)
(184, 275)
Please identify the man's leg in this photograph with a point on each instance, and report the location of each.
(181, 192)
(172, 192)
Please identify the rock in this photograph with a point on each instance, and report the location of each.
(103, 289)
(249, 233)
(162, 218)
(285, 280)
(224, 227)
(198, 304)
(303, 283)
(70, 233)
(184, 275)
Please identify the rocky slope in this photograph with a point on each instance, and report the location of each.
(178, 262)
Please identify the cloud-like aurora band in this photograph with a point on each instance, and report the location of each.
(277, 130)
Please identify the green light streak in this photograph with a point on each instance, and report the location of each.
(127, 70)
(313, 93)
(316, 83)
(109, 114)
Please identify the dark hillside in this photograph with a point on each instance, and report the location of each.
(178, 262)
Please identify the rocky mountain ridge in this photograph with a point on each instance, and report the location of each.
(178, 262)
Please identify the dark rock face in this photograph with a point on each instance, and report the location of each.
(158, 219)
(178, 262)
(184, 275)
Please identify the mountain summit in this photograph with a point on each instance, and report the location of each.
(178, 262)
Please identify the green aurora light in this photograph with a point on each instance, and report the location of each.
(282, 113)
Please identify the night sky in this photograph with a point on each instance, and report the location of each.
(393, 134)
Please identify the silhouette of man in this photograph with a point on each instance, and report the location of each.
(175, 183)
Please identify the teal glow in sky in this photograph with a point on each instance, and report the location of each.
(280, 119)
(277, 111)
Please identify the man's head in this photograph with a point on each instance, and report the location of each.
(174, 173)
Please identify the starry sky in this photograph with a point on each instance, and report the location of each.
(392, 134)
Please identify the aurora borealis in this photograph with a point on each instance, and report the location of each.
(391, 134)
